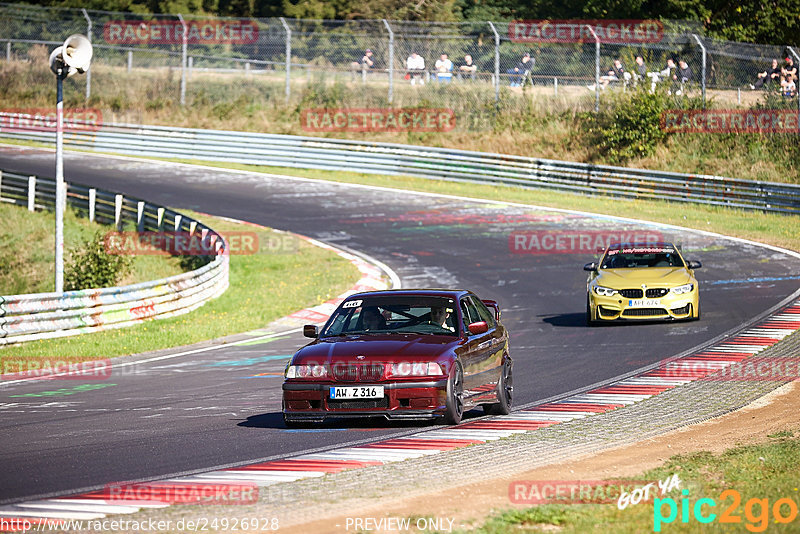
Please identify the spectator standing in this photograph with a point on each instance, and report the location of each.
(467, 69)
(415, 64)
(521, 70)
(444, 69)
(772, 74)
(366, 61)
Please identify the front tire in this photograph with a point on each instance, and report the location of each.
(455, 395)
(505, 392)
(589, 319)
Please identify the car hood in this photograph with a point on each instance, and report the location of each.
(625, 278)
(375, 348)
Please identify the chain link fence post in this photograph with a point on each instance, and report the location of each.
(703, 68)
(596, 69)
(184, 44)
(797, 95)
(88, 72)
(288, 58)
(496, 63)
(391, 60)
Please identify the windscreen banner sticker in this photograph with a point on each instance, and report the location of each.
(642, 250)
(352, 304)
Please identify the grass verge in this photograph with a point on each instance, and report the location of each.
(760, 475)
(27, 242)
(263, 287)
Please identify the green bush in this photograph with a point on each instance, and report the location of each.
(631, 126)
(91, 266)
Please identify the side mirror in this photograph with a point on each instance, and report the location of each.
(310, 330)
(492, 305)
(478, 328)
(590, 267)
(693, 264)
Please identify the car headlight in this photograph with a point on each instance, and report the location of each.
(306, 371)
(605, 291)
(415, 369)
(680, 290)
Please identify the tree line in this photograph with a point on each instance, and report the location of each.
(763, 22)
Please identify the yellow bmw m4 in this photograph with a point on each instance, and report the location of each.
(642, 281)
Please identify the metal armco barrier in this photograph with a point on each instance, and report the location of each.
(51, 315)
(424, 162)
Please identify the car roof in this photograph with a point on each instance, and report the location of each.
(634, 244)
(449, 293)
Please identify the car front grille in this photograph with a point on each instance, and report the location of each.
(365, 404)
(656, 292)
(365, 372)
(681, 311)
(631, 293)
(644, 312)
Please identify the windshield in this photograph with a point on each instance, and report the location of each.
(408, 314)
(629, 258)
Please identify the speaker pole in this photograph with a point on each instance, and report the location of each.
(60, 193)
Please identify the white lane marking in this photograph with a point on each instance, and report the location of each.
(656, 381)
(166, 356)
(528, 416)
(46, 514)
(121, 502)
(66, 505)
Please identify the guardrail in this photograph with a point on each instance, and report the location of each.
(50, 315)
(424, 162)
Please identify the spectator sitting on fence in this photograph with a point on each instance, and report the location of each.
(772, 74)
(640, 71)
(521, 70)
(415, 64)
(664, 74)
(615, 74)
(444, 69)
(789, 68)
(788, 86)
(467, 69)
(681, 77)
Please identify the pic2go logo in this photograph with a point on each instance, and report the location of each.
(756, 511)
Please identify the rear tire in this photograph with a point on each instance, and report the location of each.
(505, 392)
(455, 395)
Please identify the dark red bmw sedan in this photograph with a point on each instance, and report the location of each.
(402, 354)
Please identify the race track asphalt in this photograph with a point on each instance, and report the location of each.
(222, 406)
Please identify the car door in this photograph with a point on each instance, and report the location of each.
(480, 368)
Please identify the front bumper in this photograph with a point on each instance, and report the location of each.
(668, 307)
(309, 401)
